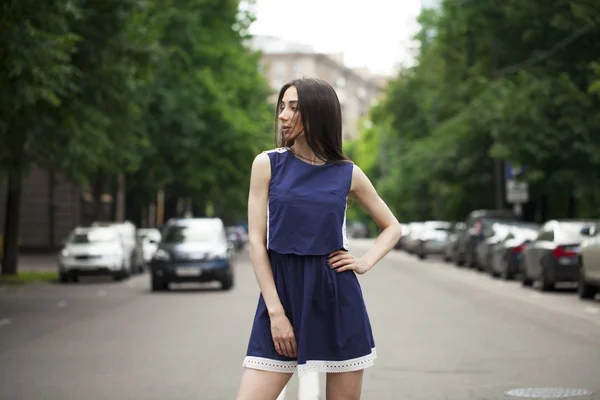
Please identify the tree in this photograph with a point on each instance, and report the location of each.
(207, 112)
(494, 82)
(36, 49)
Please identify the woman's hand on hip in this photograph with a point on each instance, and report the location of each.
(283, 336)
(341, 260)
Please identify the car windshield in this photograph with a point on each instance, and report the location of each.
(95, 236)
(190, 233)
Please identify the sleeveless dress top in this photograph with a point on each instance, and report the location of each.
(306, 221)
(307, 205)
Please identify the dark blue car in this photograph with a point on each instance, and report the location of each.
(192, 250)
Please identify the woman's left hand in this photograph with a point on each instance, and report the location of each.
(342, 260)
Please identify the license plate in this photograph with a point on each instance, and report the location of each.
(184, 271)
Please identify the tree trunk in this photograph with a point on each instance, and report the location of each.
(97, 190)
(119, 199)
(51, 210)
(10, 257)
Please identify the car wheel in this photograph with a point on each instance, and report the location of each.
(227, 282)
(584, 289)
(63, 277)
(545, 284)
(525, 281)
(158, 285)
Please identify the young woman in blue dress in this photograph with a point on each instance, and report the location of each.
(311, 315)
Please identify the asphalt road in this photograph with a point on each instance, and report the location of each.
(442, 333)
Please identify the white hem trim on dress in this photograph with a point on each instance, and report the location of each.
(267, 364)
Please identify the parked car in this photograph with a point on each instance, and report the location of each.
(410, 240)
(148, 239)
(432, 239)
(404, 230)
(589, 260)
(450, 248)
(493, 236)
(554, 255)
(93, 251)
(478, 222)
(192, 250)
(131, 246)
(506, 255)
(237, 236)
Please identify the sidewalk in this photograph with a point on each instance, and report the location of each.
(37, 262)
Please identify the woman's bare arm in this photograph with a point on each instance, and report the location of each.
(257, 232)
(364, 193)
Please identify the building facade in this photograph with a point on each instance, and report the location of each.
(356, 88)
(50, 209)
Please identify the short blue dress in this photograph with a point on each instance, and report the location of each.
(306, 221)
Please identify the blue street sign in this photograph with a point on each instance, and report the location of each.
(514, 171)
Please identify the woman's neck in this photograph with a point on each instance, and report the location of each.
(301, 149)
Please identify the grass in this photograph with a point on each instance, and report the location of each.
(24, 277)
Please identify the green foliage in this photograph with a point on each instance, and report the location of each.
(511, 81)
(165, 91)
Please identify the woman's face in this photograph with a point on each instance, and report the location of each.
(289, 116)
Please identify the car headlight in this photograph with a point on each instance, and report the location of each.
(162, 255)
(64, 253)
(218, 254)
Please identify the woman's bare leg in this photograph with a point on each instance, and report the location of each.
(262, 385)
(344, 385)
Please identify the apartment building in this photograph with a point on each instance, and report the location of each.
(356, 88)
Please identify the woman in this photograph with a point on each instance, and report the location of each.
(310, 315)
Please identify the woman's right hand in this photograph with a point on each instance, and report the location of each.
(283, 335)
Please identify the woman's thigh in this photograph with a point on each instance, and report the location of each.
(344, 385)
(262, 385)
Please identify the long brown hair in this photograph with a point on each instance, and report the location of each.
(321, 116)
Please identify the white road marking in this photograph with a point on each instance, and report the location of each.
(282, 394)
(499, 283)
(130, 283)
(308, 387)
(535, 295)
(592, 310)
(4, 321)
(61, 304)
(101, 292)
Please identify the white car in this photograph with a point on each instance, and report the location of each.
(149, 238)
(93, 251)
(589, 273)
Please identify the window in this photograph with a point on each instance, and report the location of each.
(546, 236)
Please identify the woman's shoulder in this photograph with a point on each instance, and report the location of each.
(276, 150)
(268, 158)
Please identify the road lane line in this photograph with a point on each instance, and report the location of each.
(308, 386)
(4, 321)
(61, 304)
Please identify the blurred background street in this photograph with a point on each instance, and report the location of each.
(127, 132)
(441, 333)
